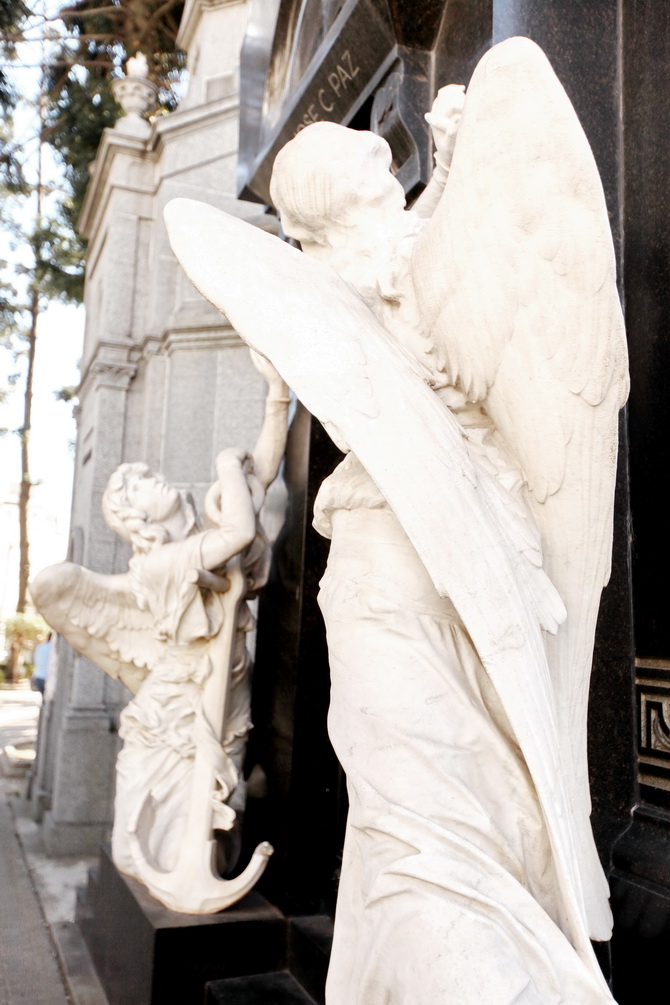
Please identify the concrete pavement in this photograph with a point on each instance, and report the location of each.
(43, 960)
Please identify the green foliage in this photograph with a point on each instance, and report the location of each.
(108, 31)
(74, 106)
(57, 273)
(13, 14)
(77, 114)
(102, 35)
(78, 105)
(68, 393)
(25, 630)
(8, 309)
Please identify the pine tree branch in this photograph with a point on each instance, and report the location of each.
(154, 18)
(72, 13)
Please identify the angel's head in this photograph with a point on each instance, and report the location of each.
(331, 180)
(143, 509)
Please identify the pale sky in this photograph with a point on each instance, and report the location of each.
(59, 342)
(60, 337)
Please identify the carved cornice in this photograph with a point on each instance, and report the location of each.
(112, 365)
(114, 375)
(188, 339)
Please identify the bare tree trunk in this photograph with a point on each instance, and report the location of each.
(26, 485)
(24, 490)
(14, 662)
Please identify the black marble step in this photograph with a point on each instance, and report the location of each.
(278, 988)
(309, 942)
(145, 954)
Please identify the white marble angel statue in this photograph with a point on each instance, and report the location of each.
(173, 630)
(472, 365)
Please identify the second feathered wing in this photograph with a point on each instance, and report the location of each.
(524, 317)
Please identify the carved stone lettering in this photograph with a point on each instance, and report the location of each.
(339, 85)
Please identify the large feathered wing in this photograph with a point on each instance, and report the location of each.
(100, 617)
(524, 316)
(330, 348)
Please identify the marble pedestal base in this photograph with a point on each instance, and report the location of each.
(147, 955)
(78, 813)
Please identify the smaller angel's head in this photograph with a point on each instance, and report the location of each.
(143, 509)
(328, 178)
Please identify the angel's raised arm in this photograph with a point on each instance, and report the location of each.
(271, 442)
(443, 119)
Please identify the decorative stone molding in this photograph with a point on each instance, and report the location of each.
(652, 687)
(115, 375)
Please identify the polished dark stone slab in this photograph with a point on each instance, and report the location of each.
(352, 59)
(309, 942)
(304, 812)
(315, 59)
(147, 955)
(641, 939)
(646, 111)
(464, 36)
(583, 43)
(267, 989)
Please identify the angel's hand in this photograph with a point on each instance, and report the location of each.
(234, 457)
(276, 384)
(444, 119)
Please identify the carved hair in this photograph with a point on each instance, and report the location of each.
(312, 178)
(133, 525)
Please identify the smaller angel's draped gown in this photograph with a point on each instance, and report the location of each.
(165, 721)
(447, 893)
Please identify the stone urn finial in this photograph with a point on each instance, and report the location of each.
(137, 66)
(136, 94)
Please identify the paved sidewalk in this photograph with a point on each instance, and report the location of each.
(29, 970)
(43, 960)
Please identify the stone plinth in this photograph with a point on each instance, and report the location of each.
(147, 955)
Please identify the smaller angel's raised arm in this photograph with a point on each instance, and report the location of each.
(229, 504)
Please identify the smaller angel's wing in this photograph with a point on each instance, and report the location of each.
(99, 616)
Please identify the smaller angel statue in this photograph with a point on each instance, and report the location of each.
(173, 629)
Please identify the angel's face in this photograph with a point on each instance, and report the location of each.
(367, 205)
(378, 189)
(334, 189)
(152, 495)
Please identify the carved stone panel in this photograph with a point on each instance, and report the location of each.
(652, 690)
